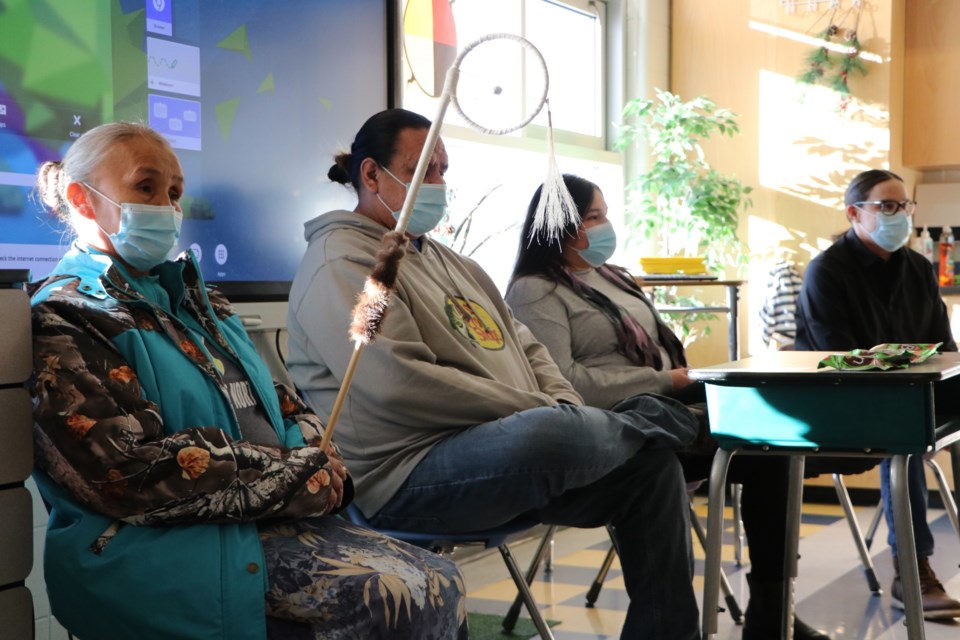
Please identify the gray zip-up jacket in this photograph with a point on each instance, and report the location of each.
(450, 354)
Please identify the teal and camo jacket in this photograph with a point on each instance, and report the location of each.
(154, 498)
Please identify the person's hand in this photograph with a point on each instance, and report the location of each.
(680, 378)
(329, 479)
(337, 476)
(336, 488)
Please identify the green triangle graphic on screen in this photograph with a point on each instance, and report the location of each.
(237, 41)
(267, 85)
(37, 116)
(226, 112)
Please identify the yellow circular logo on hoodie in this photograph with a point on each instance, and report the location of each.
(472, 321)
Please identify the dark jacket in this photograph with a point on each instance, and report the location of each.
(851, 299)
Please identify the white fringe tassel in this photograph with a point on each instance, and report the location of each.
(556, 209)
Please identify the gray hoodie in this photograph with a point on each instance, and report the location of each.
(449, 356)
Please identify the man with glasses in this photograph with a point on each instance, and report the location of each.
(868, 289)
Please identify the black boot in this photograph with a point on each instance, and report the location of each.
(762, 619)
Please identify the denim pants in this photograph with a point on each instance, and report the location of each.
(917, 486)
(575, 466)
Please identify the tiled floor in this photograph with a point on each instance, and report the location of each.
(831, 592)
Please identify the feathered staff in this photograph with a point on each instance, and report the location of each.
(559, 209)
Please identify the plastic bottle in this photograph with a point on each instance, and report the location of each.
(926, 244)
(946, 257)
(916, 243)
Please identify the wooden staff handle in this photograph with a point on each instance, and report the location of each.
(341, 395)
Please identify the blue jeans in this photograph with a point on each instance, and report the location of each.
(575, 466)
(917, 485)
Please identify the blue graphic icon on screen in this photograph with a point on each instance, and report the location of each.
(160, 17)
(178, 120)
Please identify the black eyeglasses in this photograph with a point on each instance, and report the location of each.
(891, 207)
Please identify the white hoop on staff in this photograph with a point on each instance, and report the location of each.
(539, 102)
(449, 94)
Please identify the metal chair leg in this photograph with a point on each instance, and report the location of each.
(955, 463)
(903, 528)
(542, 628)
(874, 524)
(546, 543)
(594, 591)
(548, 565)
(948, 502)
(732, 605)
(711, 578)
(844, 497)
(790, 561)
(736, 491)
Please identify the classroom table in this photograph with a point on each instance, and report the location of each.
(681, 280)
(781, 403)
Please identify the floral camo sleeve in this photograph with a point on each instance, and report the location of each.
(97, 437)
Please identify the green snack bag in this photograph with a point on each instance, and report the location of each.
(880, 357)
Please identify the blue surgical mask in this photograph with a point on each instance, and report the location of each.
(601, 243)
(428, 209)
(147, 235)
(892, 232)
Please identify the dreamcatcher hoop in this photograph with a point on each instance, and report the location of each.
(447, 96)
(540, 100)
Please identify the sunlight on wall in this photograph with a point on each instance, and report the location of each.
(797, 147)
(811, 41)
(810, 150)
(769, 240)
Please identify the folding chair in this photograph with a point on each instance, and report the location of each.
(863, 543)
(495, 537)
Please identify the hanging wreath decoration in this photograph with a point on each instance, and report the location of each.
(838, 58)
(819, 60)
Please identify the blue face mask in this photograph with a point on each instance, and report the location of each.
(601, 243)
(892, 232)
(428, 209)
(147, 235)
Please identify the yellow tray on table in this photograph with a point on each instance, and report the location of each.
(690, 265)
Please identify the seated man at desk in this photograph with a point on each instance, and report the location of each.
(868, 289)
(457, 419)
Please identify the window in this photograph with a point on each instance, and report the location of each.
(568, 33)
(570, 37)
(492, 178)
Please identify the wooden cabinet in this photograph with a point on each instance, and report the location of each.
(16, 462)
(931, 83)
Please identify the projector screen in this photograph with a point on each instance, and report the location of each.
(254, 95)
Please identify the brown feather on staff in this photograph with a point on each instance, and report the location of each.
(368, 314)
(373, 301)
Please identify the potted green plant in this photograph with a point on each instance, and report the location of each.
(687, 206)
